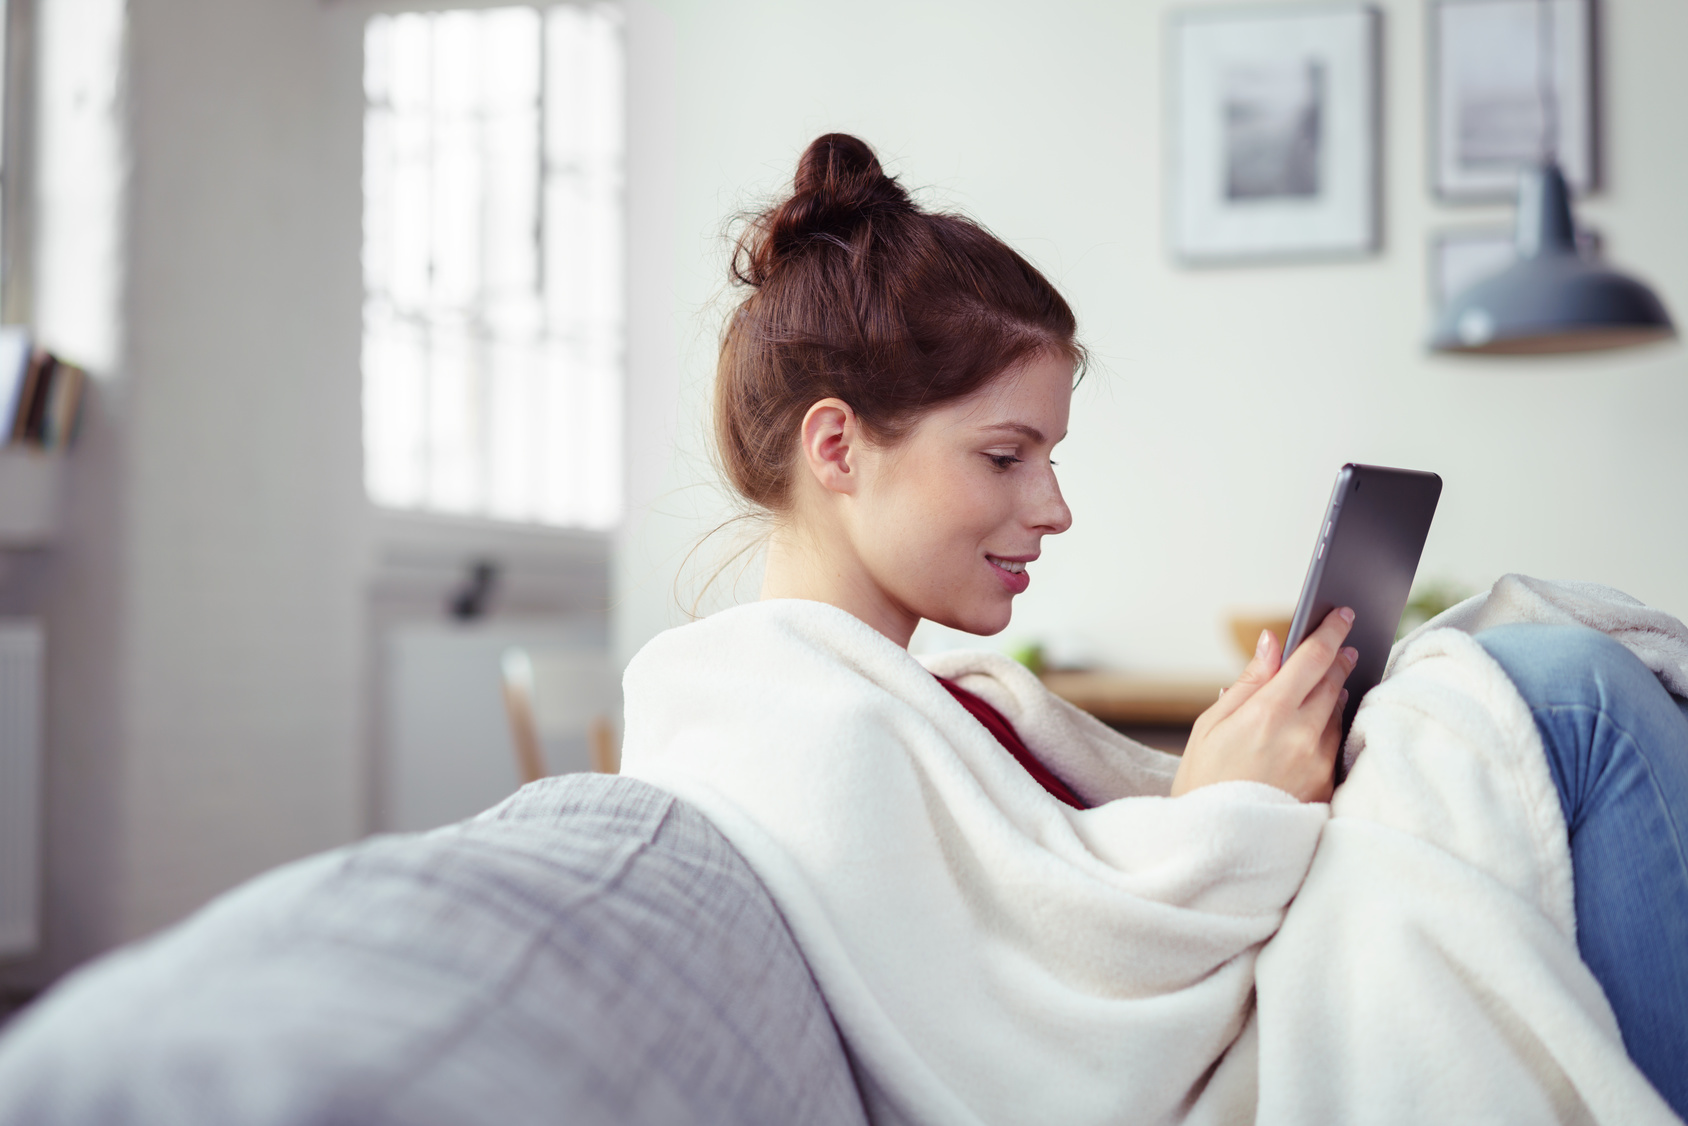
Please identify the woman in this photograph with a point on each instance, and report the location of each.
(1009, 917)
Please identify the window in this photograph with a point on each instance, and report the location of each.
(492, 259)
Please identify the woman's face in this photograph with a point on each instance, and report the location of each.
(949, 520)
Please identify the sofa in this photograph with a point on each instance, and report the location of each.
(589, 951)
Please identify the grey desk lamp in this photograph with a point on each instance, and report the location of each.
(1552, 299)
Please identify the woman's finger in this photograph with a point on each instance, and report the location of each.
(1261, 668)
(1330, 742)
(1322, 698)
(1333, 729)
(1330, 745)
(1313, 658)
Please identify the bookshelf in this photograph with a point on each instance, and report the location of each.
(29, 497)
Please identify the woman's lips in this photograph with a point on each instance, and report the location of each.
(1012, 572)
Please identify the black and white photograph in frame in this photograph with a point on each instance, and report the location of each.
(1511, 82)
(1274, 133)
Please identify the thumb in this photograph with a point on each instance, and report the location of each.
(1268, 655)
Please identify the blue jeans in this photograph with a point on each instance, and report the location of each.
(1617, 745)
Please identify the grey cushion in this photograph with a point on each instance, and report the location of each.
(590, 951)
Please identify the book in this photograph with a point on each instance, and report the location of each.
(47, 401)
(32, 404)
(28, 392)
(64, 406)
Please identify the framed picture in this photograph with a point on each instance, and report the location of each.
(1510, 81)
(1274, 133)
(1461, 257)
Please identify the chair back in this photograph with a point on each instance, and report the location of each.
(559, 699)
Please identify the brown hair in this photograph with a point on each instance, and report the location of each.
(859, 294)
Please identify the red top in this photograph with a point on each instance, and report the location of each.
(997, 724)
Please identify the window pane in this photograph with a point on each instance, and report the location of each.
(394, 367)
(493, 180)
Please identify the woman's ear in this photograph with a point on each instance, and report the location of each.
(831, 434)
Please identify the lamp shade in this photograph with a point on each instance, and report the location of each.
(1551, 299)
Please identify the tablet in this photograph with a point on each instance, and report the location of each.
(1365, 557)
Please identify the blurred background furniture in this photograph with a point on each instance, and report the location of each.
(447, 718)
(1155, 710)
(30, 487)
(556, 697)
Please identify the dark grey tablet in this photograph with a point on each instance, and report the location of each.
(1365, 557)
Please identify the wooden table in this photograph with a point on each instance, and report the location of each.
(1157, 710)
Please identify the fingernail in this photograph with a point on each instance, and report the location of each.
(1342, 700)
(1346, 615)
(1351, 655)
(1264, 643)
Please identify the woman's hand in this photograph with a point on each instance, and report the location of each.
(1280, 726)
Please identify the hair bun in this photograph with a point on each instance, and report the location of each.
(837, 161)
(839, 191)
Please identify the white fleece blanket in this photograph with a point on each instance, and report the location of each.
(994, 956)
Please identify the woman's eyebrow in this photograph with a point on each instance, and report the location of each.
(1020, 428)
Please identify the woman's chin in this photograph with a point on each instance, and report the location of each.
(980, 621)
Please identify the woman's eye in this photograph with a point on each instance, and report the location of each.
(1003, 461)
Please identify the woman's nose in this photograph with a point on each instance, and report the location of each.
(1051, 515)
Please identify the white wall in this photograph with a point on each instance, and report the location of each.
(1222, 401)
(244, 503)
(197, 247)
(77, 204)
(213, 606)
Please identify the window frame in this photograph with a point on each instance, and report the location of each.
(451, 536)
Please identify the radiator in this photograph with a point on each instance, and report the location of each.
(22, 648)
